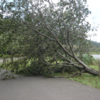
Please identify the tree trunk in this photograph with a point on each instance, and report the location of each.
(4, 61)
(87, 69)
(63, 70)
(11, 58)
(99, 69)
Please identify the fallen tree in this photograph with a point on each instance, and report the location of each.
(54, 33)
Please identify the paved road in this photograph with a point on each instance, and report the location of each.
(8, 59)
(40, 88)
(97, 56)
(1, 60)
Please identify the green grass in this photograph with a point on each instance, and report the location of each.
(94, 67)
(87, 79)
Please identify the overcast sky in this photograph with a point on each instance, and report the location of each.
(94, 18)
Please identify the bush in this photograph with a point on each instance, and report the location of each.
(36, 68)
(0, 55)
(88, 59)
(30, 67)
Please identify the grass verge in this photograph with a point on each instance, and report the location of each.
(85, 78)
(88, 79)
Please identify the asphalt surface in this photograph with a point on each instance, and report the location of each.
(41, 88)
(8, 59)
(96, 56)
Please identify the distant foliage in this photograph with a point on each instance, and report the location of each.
(95, 47)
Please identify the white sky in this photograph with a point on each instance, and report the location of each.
(94, 18)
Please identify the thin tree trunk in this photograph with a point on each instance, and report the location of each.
(4, 61)
(11, 58)
(99, 69)
(63, 70)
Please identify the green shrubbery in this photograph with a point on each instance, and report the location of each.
(5, 56)
(88, 59)
(30, 67)
(35, 68)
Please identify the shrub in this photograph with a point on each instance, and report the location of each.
(88, 59)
